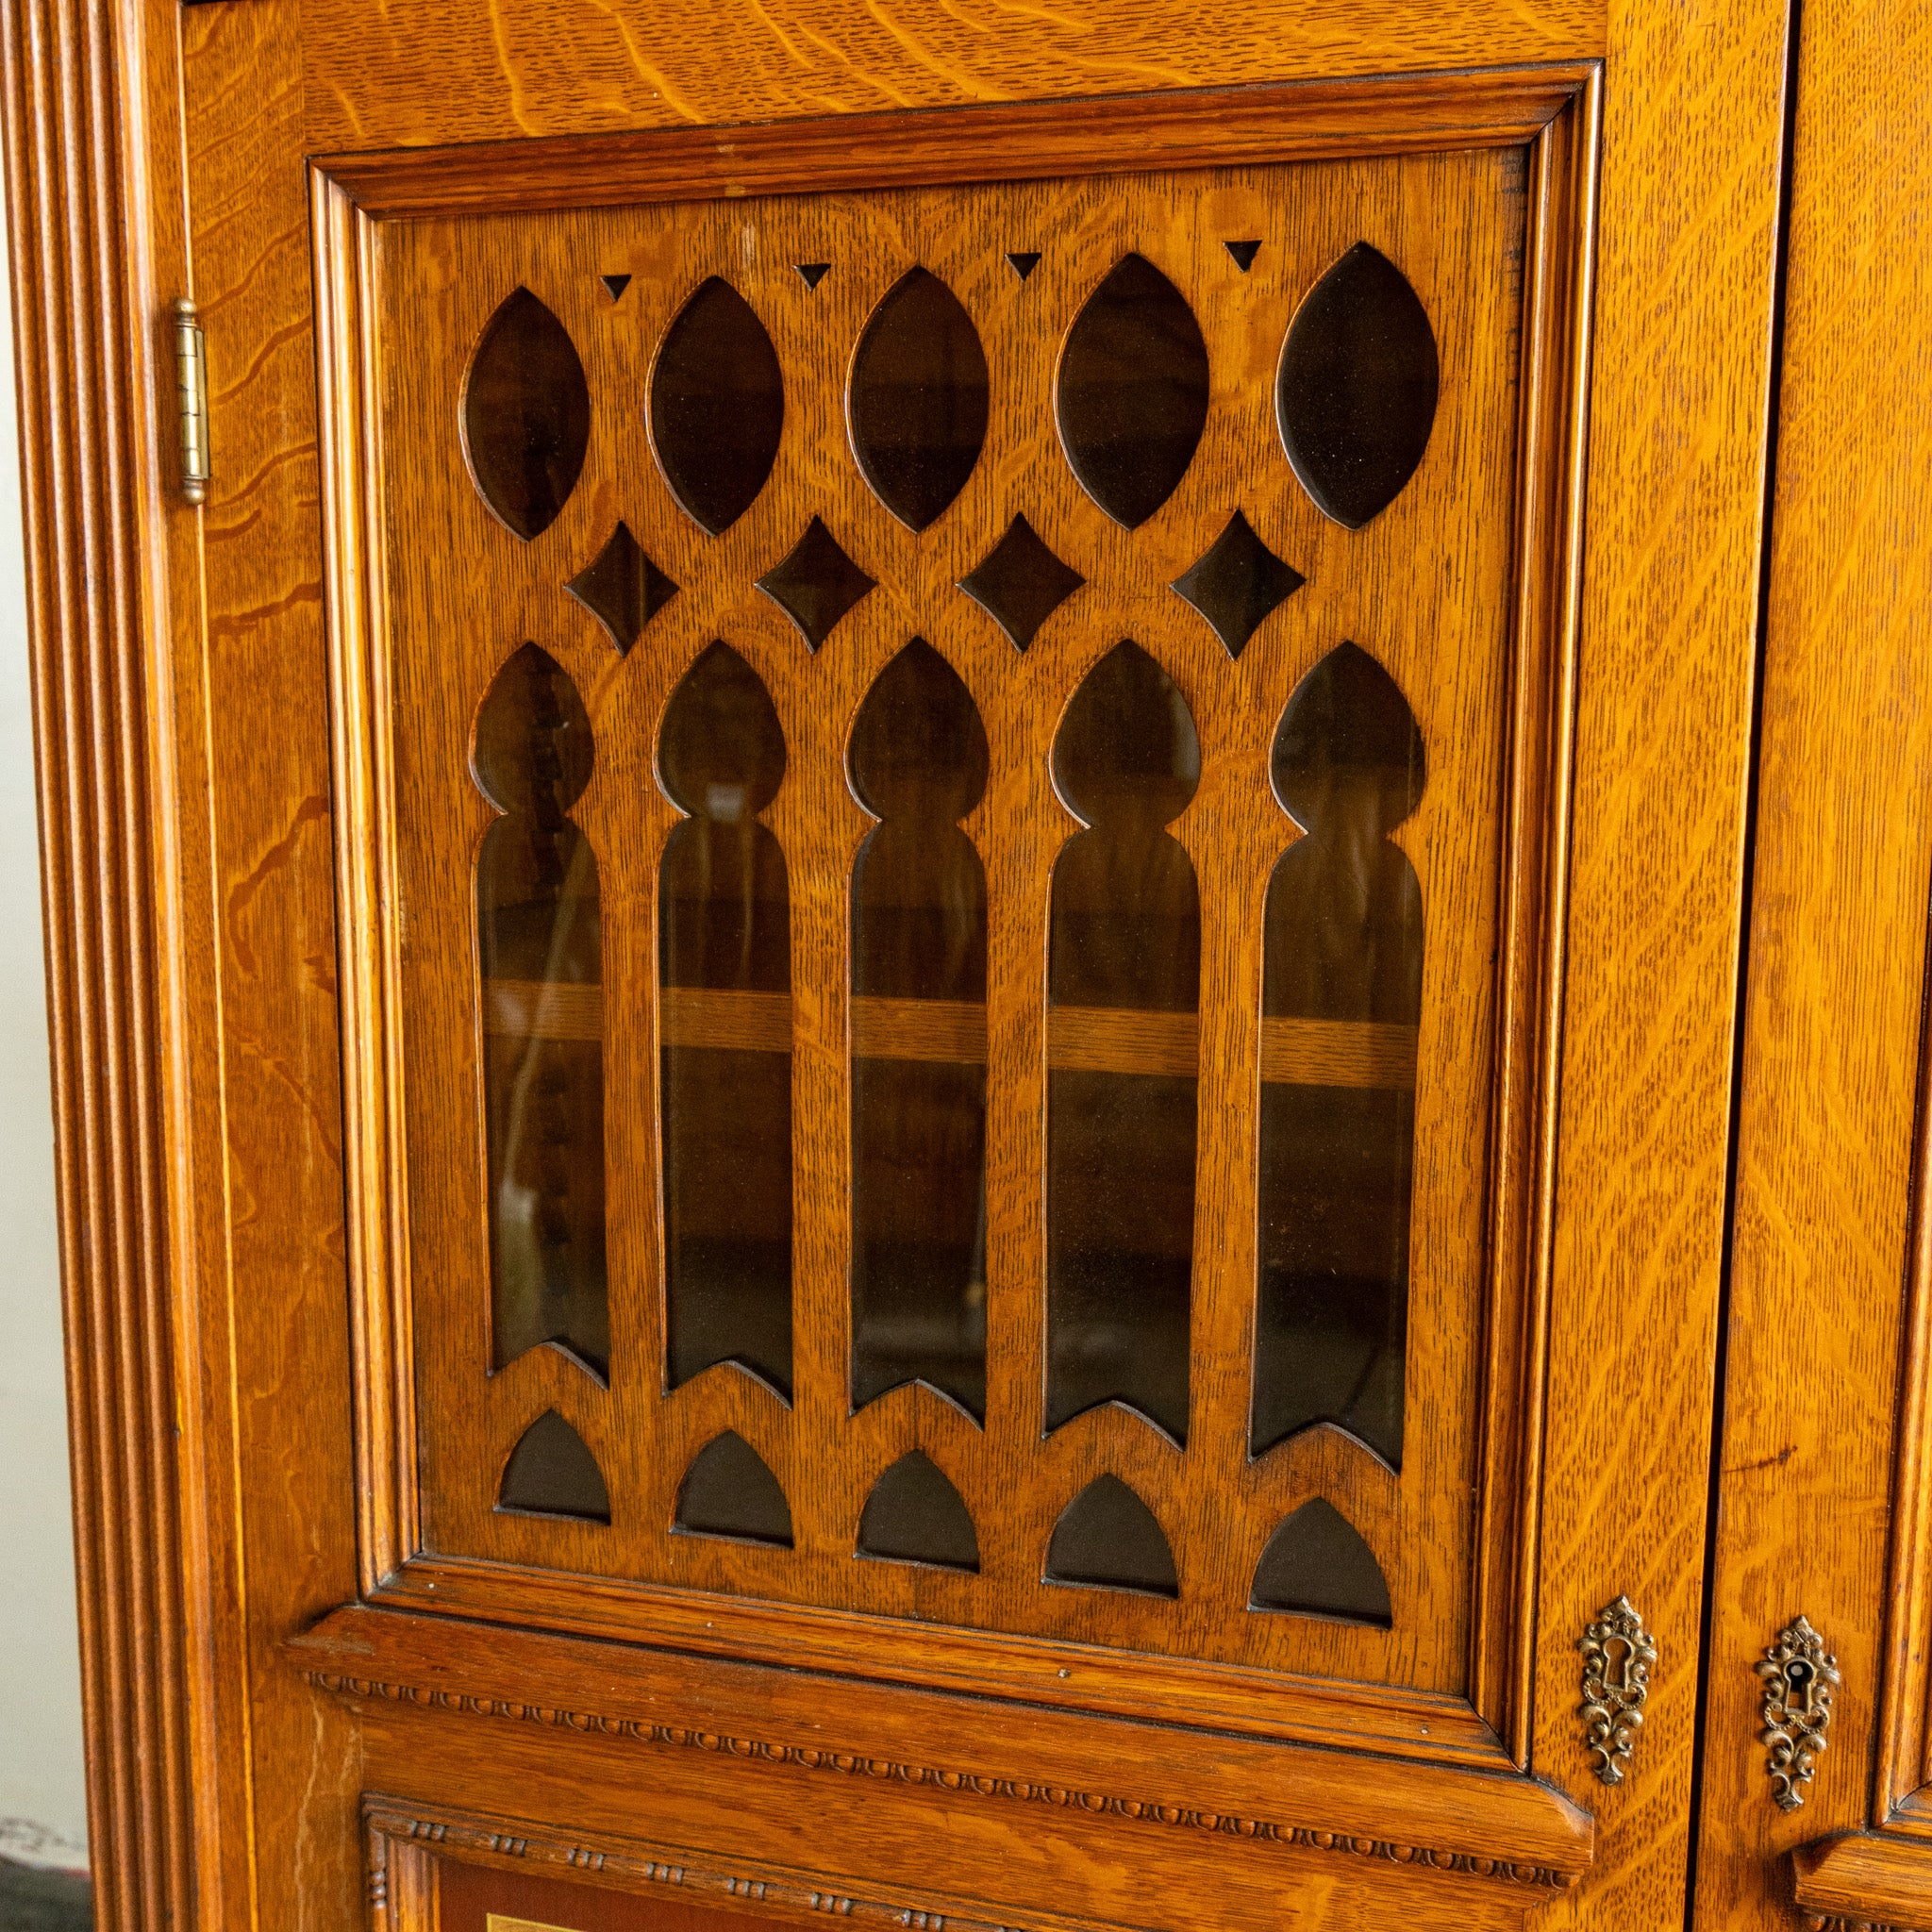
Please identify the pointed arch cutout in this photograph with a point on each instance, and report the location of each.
(1107, 1538)
(729, 1490)
(551, 1472)
(1318, 1565)
(915, 1515)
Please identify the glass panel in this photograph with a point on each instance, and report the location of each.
(540, 948)
(1125, 945)
(725, 969)
(919, 398)
(915, 1515)
(729, 1490)
(1132, 392)
(815, 584)
(1107, 1538)
(1021, 583)
(1356, 392)
(622, 589)
(1344, 951)
(1237, 583)
(919, 764)
(717, 405)
(1317, 1565)
(527, 415)
(551, 1472)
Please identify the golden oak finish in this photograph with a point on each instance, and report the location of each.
(1824, 1497)
(1369, 585)
(376, 82)
(252, 1125)
(1676, 495)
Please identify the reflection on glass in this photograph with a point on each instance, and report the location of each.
(1124, 988)
(1355, 396)
(537, 942)
(1132, 392)
(527, 415)
(551, 1472)
(919, 398)
(724, 970)
(919, 762)
(1345, 950)
(717, 405)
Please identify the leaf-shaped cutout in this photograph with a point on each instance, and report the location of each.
(915, 1515)
(717, 405)
(533, 749)
(1132, 392)
(551, 1472)
(1355, 396)
(1127, 749)
(1317, 1565)
(1348, 747)
(1107, 1538)
(527, 415)
(721, 739)
(918, 748)
(917, 398)
(729, 1490)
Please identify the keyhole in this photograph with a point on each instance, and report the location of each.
(1799, 1676)
(1618, 1652)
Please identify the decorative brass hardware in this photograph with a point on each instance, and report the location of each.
(1618, 1653)
(191, 375)
(1799, 1678)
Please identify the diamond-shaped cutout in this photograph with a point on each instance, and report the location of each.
(816, 584)
(622, 589)
(1237, 582)
(1022, 583)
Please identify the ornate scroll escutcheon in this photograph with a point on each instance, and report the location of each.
(1799, 1678)
(1618, 1653)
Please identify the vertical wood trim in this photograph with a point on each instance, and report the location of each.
(89, 229)
(373, 1146)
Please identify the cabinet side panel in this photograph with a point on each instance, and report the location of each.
(1685, 280)
(1812, 1417)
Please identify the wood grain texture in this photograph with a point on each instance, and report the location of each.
(1024, 141)
(1679, 395)
(92, 228)
(379, 81)
(1824, 1445)
(1470, 709)
(1862, 1881)
(511, 1866)
(271, 1298)
(804, 1736)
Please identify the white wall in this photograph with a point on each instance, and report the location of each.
(42, 1803)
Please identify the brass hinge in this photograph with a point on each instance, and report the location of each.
(191, 370)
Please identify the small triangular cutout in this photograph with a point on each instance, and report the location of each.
(1317, 1565)
(1023, 261)
(1243, 254)
(1107, 1538)
(731, 1490)
(551, 1472)
(915, 1515)
(615, 286)
(812, 273)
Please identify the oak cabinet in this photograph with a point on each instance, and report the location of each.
(935, 995)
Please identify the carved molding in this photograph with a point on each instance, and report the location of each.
(1828, 1923)
(1147, 1812)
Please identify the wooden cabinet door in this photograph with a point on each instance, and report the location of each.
(918, 980)
(1816, 1783)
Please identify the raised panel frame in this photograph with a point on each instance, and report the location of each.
(1550, 110)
